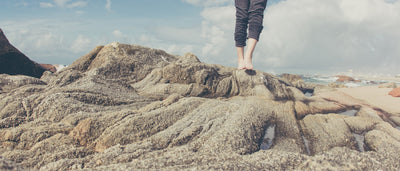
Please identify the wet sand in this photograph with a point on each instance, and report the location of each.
(375, 96)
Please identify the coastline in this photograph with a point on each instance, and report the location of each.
(359, 80)
(375, 96)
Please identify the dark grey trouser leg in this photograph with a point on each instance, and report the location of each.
(249, 13)
(256, 16)
(242, 20)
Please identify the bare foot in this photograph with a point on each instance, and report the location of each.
(248, 65)
(241, 65)
(240, 52)
(249, 53)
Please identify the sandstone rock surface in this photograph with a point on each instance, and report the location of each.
(49, 67)
(336, 85)
(13, 62)
(298, 82)
(128, 107)
(388, 85)
(395, 92)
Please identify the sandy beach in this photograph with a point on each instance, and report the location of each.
(375, 96)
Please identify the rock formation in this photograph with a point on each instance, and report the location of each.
(298, 82)
(336, 85)
(128, 107)
(13, 62)
(388, 85)
(344, 78)
(395, 92)
(49, 67)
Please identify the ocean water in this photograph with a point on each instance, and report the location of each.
(325, 80)
(60, 66)
(317, 79)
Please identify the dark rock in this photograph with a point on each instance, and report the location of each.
(13, 62)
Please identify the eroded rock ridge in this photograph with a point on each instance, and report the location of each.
(131, 107)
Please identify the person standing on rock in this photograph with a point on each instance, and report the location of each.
(249, 13)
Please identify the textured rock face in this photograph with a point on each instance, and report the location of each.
(49, 67)
(13, 62)
(8, 165)
(128, 107)
(298, 82)
(336, 85)
(395, 92)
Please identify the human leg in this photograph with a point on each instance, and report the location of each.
(251, 45)
(240, 53)
(256, 15)
(242, 19)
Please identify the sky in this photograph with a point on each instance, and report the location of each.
(299, 36)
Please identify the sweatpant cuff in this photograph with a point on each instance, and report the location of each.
(255, 31)
(240, 44)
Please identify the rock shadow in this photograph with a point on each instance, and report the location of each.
(268, 137)
(250, 72)
(308, 93)
(360, 139)
(351, 112)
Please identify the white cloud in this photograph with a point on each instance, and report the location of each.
(147, 40)
(77, 4)
(119, 36)
(216, 40)
(207, 2)
(46, 5)
(81, 44)
(108, 5)
(179, 49)
(23, 4)
(217, 31)
(80, 12)
(170, 46)
(63, 4)
(223, 17)
(37, 43)
(331, 35)
(298, 36)
(189, 35)
(193, 2)
(117, 33)
(49, 41)
(321, 36)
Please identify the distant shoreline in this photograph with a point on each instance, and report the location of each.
(361, 80)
